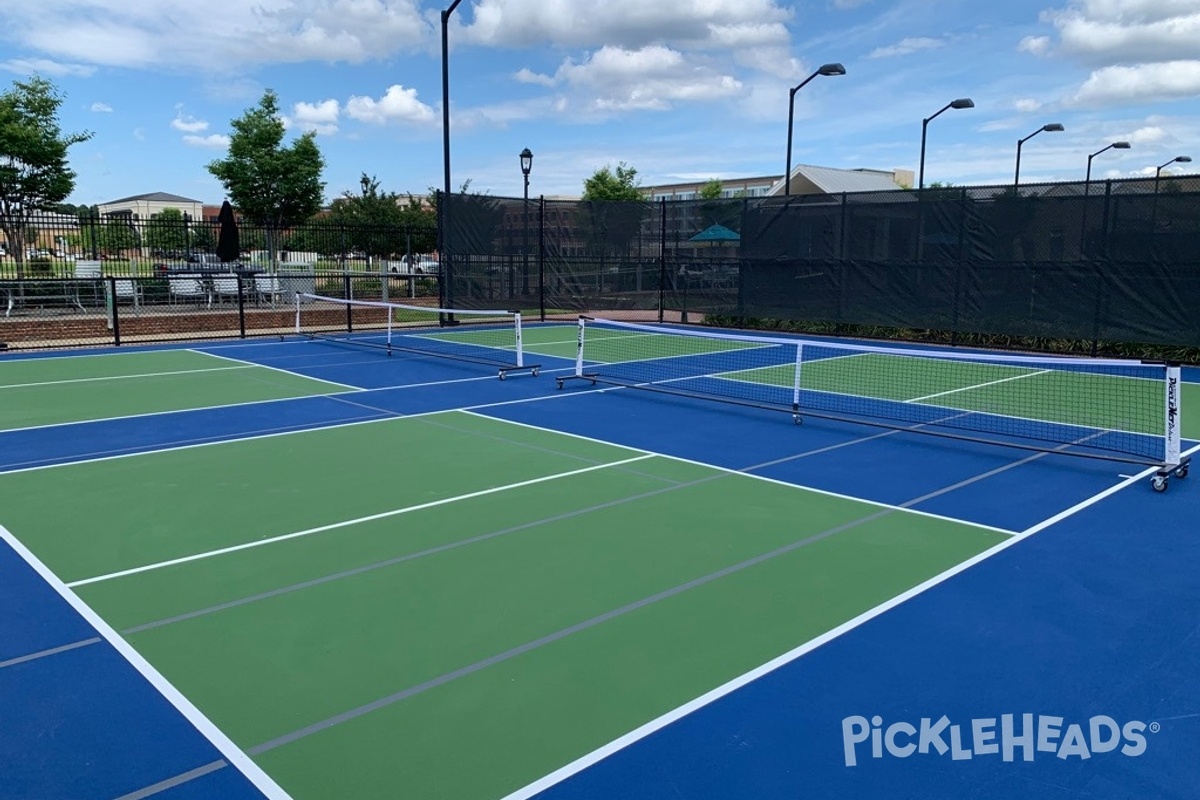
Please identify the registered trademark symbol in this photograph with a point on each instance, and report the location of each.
(1155, 727)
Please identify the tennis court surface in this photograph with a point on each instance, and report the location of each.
(298, 568)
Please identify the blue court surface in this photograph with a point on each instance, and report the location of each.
(1054, 652)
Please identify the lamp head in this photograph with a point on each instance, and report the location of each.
(831, 69)
(1183, 159)
(1053, 127)
(526, 161)
(962, 102)
(1120, 145)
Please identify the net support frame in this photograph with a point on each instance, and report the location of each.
(1168, 457)
(397, 341)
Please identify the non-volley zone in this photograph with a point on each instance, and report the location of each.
(448, 605)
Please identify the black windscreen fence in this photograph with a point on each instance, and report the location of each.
(1111, 260)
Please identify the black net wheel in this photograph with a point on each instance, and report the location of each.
(1159, 482)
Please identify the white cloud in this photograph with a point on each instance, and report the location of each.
(1140, 83)
(45, 66)
(101, 108)
(1037, 45)
(213, 140)
(1149, 135)
(320, 117)
(218, 35)
(907, 47)
(648, 78)
(189, 125)
(1027, 104)
(625, 23)
(1110, 31)
(398, 104)
(524, 75)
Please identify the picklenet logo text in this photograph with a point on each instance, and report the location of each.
(1007, 737)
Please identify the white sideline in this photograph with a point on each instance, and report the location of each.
(346, 523)
(123, 377)
(230, 751)
(657, 724)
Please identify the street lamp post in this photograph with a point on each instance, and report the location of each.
(1087, 185)
(1158, 170)
(526, 165)
(1051, 128)
(962, 102)
(446, 283)
(1157, 175)
(824, 69)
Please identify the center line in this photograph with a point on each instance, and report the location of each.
(978, 386)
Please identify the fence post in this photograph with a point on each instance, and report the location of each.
(662, 258)
(241, 295)
(111, 300)
(542, 256)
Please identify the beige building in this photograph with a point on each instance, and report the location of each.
(806, 180)
(144, 206)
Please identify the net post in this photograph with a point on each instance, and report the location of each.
(520, 349)
(579, 349)
(297, 299)
(796, 381)
(1173, 437)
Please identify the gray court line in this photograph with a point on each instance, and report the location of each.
(535, 644)
(483, 537)
(385, 411)
(146, 626)
(178, 780)
(12, 662)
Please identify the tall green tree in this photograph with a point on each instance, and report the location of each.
(271, 185)
(607, 185)
(34, 173)
(711, 190)
(373, 219)
(613, 210)
(167, 230)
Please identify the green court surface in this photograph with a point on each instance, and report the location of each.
(48, 391)
(450, 605)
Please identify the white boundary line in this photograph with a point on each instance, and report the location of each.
(311, 429)
(729, 687)
(978, 386)
(763, 478)
(230, 751)
(346, 386)
(349, 522)
(124, 377)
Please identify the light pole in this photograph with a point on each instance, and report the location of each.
(447, 294)
(824, 69)
(1053, 127)
(1157, 175)
(1087, 185)
(526, 165)
(1159, 169)
(962, 102)
(1114, 146)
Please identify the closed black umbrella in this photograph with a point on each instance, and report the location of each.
(229, 245)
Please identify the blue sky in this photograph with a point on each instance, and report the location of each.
(680, 90)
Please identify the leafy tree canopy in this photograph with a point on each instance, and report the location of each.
(607, 185)
(711, 190)
(271, 185)
(34, 174)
